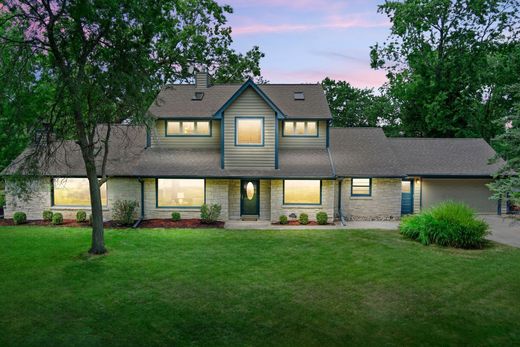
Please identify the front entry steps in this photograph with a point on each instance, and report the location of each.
(249, 218)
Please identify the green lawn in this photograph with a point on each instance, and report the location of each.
(236, 288)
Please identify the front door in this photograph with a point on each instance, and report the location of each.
(406, 196)
(249, 197)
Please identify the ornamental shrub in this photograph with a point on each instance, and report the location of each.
(81, 216)
(57, 218)
(19, 218)
(176, 216)
(124, 212)
(284, 220)
(446, 224)
(209, 213)
(47, 215)
(322, 218)
(304, 219)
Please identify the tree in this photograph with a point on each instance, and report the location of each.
(355, 107)
(442, 61)
(106, 60)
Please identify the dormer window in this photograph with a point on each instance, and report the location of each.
(299, 96)
(188, 128)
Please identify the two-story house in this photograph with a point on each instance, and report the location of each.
(261, 151)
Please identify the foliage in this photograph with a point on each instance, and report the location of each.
(209, 213)
(283, 219)
(81, 216)
(124, 212)
(47, 215)
(303, 219)
(19, 218)
(2, 200)
(176, 216)
(57, 218)
(90, 219)
(447, 224)
(322, 218)
(448, 63)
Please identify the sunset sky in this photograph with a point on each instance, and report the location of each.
(307, 40)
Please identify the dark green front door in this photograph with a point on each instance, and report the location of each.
(249, 197)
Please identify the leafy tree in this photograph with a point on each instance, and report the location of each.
(445, 64)
(106, 60)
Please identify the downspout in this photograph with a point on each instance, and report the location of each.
(141, 217)
(340, 213)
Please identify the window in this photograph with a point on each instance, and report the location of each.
(300, 128)
(188, 128)
(74, 192)
(249, 131)
(180, 192)
(305, 192)
(361, 187)
(299, 96)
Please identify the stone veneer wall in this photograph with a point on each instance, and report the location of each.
(384, 204)
(417, 186)
(265, 200)
(278, 208)
(234, 199)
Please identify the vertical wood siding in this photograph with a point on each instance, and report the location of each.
(159, 138)
(304, 142)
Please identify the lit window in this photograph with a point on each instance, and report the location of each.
(249, 131)
(74, 192)
(300, 128)
(307, 192)
(361, 187)
(180, 192)
(188, 128)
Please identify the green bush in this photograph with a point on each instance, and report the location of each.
(446, 224)
(81, 216)
(284, 220)
(124, 212)
(322, 218)
(304, 219)
(19, 218)
(2, 200)
(57, 218)
(176, 216)
(47, 215)
(210, 213)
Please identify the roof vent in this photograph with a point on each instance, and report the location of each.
(198, 96)
(299, 96)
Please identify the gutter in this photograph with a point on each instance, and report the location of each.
(141, 217)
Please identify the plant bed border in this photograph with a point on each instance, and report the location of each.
(292, 223)
(145, 224)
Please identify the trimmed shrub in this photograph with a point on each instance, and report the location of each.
(81, 216)
(209, 213)
(124, 212)
(176, 216)
(322, 218)
(19, 218)
(303, 219)
(57, 218)
(283, 219)
(446, 224)
(47, 215)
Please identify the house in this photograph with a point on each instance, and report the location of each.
(261, 151)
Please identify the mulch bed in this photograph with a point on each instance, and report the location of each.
(295, 222)
(148, 223)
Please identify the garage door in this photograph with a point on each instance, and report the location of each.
(473, 192)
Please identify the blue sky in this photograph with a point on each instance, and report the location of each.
(307, 40)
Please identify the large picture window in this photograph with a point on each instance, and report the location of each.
(249, 131)
(180, 192)
(300, 128)
(305, 192)
(361, 187)
(74, 192)
(188, 128)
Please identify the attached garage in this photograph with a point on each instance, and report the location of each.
(473, 192)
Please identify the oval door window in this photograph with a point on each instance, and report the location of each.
(250, 190)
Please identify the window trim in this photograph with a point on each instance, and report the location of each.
(301, 203)
(187, 120)
(305, 135)
(369, 186)
(104, 204)
(175, 207)
(250, 145)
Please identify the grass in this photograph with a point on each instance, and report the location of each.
(236, 288)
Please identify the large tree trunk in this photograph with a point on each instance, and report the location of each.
(98, 238)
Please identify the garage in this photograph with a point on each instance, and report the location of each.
(473, 192)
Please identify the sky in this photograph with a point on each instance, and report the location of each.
(307, 40)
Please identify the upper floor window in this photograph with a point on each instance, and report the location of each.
(74, 192)
(361, 187)
(180, 192)
(300, 128)
(188, 128)
(249, 131)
